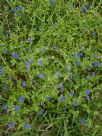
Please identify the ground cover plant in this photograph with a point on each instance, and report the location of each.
(50, 68)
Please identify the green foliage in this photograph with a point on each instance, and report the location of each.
(50, 68)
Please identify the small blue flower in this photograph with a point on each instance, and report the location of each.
(93, 73)
(52, 1)
(41, 75)
(75, 54)
(41, 49)
(63, 98)
(72, 93)
(77, 63)
(27, 50)
(27, 66)
(24, 84)
(19, 8)
(27, 126)
(88, 77)
(96, 56)
(1, 44)
(40, 62)
(15, 55)
(96, 64)
(48, 98)
(80, 54)
(16, 107)
(1, 70)
(21, 99)
(6, 107)
(88, 92)
(55, 46)
(67, 67)
(58, 74)
(84, 9)
(61, 87)
(88, 98)
(83, 121)
(94, 33)
(30, 40)
(1, 67)
(75, 104)
(19, 14)
(11, 124)
(30, 60)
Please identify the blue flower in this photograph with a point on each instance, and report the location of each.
(55, 46)
(75, 54)
(88, 92)
(72, 93)
(27, 126)
(19, 14)
(30, 40)
(52, 1)
(41, 49)
(27, 66)
(27, 50)
(16, 107)
(1, 44)
(58, 74)
(83, 121)
(1, 70)
(96, 64)
(67, 67)
(15, 55)
(19, 8)
(94, 33)
(30, 60)
(41, 75)
(93, 73)
(63, 98)
(11, 124)
(96, 56)
(84, 9)
(61, 87)
(48, 98)
(40, 62)
(6, 107)
(73, 75)
(77, 63)
(75, 104)
(88, 98)
(24, 84)
(88, 77)
(21, 99)
(80, 54)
